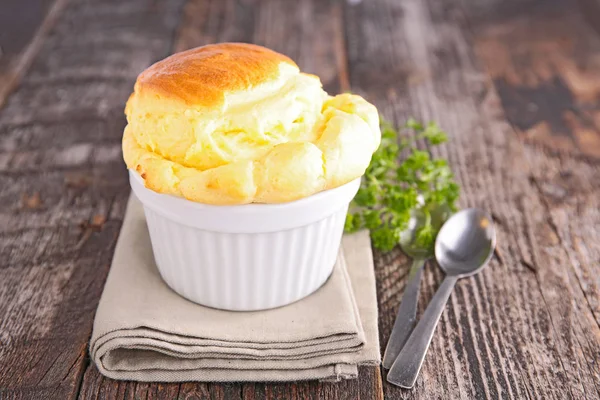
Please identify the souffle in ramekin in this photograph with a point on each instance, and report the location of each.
(245, 168)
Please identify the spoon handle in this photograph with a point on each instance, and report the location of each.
(407, 314)
(406, 368)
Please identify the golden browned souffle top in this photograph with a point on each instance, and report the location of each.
(236, 123)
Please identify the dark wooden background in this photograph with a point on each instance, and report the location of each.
(516, 83)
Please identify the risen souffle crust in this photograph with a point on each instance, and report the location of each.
(236, 123)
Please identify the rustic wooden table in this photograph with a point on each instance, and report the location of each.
(516, 83)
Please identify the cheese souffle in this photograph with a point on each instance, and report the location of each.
(236, 123)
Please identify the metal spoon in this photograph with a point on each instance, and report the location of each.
(407, 312)
(463, 247)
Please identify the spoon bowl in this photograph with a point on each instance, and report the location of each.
(465, 243)
(408, 237)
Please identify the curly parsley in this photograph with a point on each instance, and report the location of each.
(391, 188)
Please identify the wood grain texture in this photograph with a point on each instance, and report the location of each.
(24, 27)
(515, 84)
(509, 332)
(63, 187)
(566, 177)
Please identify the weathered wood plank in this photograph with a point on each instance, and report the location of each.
(63, 187)
(565, 178)
(19, 23)
(566, 56)
(545, 65)
(24, 28)
(509, 332)
(526, 328)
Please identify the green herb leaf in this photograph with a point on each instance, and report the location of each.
(391, 189)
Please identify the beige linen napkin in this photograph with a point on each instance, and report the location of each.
(146, 332)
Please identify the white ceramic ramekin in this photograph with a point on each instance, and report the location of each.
(245, 257)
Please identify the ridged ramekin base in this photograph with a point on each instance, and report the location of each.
(245, 271)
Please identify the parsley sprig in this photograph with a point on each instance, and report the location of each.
(391, 188)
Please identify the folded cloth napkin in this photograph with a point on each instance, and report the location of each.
(144, 331)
